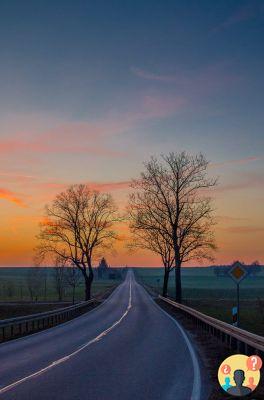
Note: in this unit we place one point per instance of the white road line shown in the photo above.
(196, 390)
(66, 358)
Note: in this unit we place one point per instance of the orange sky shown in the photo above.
(238, 203)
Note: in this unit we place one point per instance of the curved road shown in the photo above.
(125, 349)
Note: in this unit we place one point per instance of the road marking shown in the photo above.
(66, 358)
(196, 390)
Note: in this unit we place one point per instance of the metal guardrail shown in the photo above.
(238, 339)
(15, 327)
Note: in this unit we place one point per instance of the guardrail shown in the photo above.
(15, 327)
(237, 339)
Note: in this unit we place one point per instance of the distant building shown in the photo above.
(105, 272)
(103, 269)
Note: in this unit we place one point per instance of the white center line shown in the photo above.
(66, 358)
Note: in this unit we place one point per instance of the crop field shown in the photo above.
(14, 286)
(215, 296)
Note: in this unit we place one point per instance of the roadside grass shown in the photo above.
(215, 296)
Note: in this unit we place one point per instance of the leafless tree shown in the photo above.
(34, 282)
(171, 198)
(151, 238)
(59, 277)
(73, 278)
(78, 223)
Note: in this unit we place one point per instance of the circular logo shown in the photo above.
(239, 375)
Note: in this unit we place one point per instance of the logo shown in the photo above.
(239, 375)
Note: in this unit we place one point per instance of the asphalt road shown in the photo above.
(125, 349)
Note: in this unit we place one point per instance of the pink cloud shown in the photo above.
(75, 137)
(109, 186)
(245, 160)
(11, 197)
(242, 181)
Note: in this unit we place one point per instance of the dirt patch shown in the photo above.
(212, 352)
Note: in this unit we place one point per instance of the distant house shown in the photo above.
(105, 272)
(103, 269)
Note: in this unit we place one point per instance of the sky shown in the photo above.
(90, 90)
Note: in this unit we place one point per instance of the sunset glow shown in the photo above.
(81, 106)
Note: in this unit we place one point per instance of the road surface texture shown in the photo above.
(125, 349)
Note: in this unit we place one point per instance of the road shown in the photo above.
(125, 349)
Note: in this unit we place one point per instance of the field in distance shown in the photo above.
(215, 296)
(15, 294)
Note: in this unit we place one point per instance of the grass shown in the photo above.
(14, 286)
(215, 296)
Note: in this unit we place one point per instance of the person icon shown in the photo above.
(227, 384)
(251, 383)
(239, 389)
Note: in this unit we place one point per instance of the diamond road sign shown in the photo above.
(237, 272)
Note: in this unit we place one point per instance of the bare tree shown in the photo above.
(73, 278)
(172, 192)
(59, 277)
(34, 282)
(78, 223)
(151, 238)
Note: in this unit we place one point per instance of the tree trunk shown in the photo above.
(88, 279)
(178, 287)
(177, 260)
(165, 282)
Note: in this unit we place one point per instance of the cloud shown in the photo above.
(109, 186)
(249, 11)
(245, 160)
(244, 229)
(152, 76)
(241, 181)
(215, 76)
(227, 218)
(11, 197)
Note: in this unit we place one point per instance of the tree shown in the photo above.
(149, 236)
(34, 282)
(73, 279)
(77, 224)
(59, 277)
(172, 192)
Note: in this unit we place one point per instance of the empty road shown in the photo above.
(126, 349)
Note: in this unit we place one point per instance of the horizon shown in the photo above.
(90, 91)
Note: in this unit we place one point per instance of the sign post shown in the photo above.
(237, 273)
(234, 314)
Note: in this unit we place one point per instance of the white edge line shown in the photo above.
(67, 357)
(196, 391)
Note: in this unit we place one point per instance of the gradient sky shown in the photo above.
(91, 89)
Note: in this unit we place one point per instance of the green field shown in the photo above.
(14, 286)
(215, 296)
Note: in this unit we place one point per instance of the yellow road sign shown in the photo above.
(237, 272)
